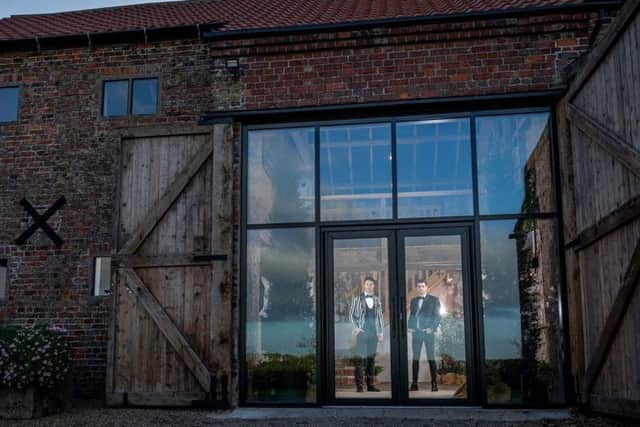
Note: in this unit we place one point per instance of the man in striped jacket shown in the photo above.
(366, 317)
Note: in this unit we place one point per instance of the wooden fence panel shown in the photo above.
(599, 135)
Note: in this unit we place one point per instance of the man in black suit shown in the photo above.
(424, 318)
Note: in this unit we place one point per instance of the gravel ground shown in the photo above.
(95, 417)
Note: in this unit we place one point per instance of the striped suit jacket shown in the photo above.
(357, 311)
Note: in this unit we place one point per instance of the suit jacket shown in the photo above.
(357, 311)
(428, 316)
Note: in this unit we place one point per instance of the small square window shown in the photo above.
(101, 276)
(145, 96)
(136, 96)
(116, 98)
(9, 104)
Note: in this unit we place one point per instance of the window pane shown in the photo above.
(362, 338)
(145, 96)
(115, 99)
(280, 315)
(514, 164)
(523, 338)
(281, 176)
(434, 168)
(9, 104)
(355, 172)
(102, 276)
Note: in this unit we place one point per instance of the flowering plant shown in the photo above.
(36, 356)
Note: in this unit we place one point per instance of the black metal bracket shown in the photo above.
(214, 257)
(211, 400)
(40, 221)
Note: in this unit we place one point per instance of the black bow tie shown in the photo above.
(421, 297)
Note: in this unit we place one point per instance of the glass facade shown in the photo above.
(489, 174)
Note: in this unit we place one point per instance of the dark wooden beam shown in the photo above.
(595, 57)
(615, 405)
(607, 225)
(613, 322)
(617, 147)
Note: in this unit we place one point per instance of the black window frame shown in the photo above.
(130, 82)
(18, 103)
(477, 110)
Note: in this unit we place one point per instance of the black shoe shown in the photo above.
(372, 388)
(359, 389)
(414, 387)
(434, 386)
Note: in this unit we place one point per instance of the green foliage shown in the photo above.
(279, 375)
(37, 356)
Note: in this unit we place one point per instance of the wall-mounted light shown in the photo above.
(233, 66)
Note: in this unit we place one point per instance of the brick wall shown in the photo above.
(62, 147)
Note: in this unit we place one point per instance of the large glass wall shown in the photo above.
(490, 171)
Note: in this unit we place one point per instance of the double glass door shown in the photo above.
(399, 318)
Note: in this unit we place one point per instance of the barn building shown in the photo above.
(245, 202)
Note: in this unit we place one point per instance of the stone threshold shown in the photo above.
(410, 413)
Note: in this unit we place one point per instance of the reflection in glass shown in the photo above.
(355, 172)
(514, 170)
(9, 104)
(281, 175)
(280, 313)
(145, 96)
(361, 312)
(435, 313)
(523, 340)
(115, 98)
(434, 168)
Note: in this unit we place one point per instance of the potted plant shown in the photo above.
(34, 372)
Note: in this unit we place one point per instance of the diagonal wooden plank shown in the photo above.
(613, 322)
(607, 225)
(160, 208)
(169, 329)
(617, 147)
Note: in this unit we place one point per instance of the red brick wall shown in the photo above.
(62, 147)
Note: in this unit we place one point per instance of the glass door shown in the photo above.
(398, 318)
(435, 295)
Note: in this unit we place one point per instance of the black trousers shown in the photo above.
(365, 354)
(420, 339)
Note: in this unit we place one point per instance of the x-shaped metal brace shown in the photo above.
(40, 221)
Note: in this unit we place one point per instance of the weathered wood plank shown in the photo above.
(220, 328)
(614, 320)
(625, 16)
(164, 399)
(169, 329)
(160, 208)
(610, 223)
(617, 147)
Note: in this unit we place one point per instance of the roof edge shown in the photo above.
(588, 5)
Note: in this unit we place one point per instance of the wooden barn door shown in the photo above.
(164, 281)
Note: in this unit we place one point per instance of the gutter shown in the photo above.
(587, 6)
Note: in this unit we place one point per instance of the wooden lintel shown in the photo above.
(163, 131)
(164, 261)
(607, 225)
(595, 57)
(617, 147)
(169, 329)
(160, 208)
(614, 320)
